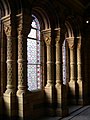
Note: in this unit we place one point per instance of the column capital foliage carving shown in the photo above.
(24, 23)
(79, 42)
(70, 41)
(9, 25)
(47, 36)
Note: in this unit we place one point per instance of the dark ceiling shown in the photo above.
(85, 2)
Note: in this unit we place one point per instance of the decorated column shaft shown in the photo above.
(79, 73)
(72, 58)
(49, 88)
(72, 83)
(58, 58)
(23, 31)
(9, 95)
(23, 21)
(79, 59)
(61, 92)
(9, 28)
(47, 38)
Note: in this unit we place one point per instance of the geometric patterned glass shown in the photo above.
(64, 61)
(34, 64)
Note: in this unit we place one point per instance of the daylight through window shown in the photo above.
(34, 57)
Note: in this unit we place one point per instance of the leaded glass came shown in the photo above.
(34, 65)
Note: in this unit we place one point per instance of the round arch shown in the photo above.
(5, 7)
(48, 15)
(73, 27)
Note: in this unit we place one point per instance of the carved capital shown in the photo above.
(79, 42)
(7, 30)
(24, 24)
(47, 36)
(48, 40)
(70, 41)
(9, 25)
(57, 35)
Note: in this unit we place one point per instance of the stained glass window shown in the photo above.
(64, 61)
(34, 65)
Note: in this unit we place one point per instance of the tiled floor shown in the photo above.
(76, 113)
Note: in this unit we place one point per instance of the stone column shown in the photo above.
(58, 58)
(79, 72)
(9, 95)
(60, 88)
(11, 54)
(49, 88)
(23, 21)
(72, 83)
(23, 31)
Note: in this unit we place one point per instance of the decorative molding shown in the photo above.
(9, 25)
(7, 30)
(24, 24)
(79, 42)
(57, 35)
(47, 36)
(70, 41)
(48, 40)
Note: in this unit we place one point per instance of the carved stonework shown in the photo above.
(23, 31)
(24, 24)
(79, 42)
(9, 74)
(47, 40)
(9, 25)
(10, 34)
(21, 76)
(7, 30)
(70, 42)
(57, 35)
(47, 36)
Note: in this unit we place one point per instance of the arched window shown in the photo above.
(34, 57)
(64, 61)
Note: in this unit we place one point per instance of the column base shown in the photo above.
(72, 92)
(23, 107)
(10, 105)
(62, 109)
(80, 92)
(22, 90)
(50, 102)
(10, 90)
